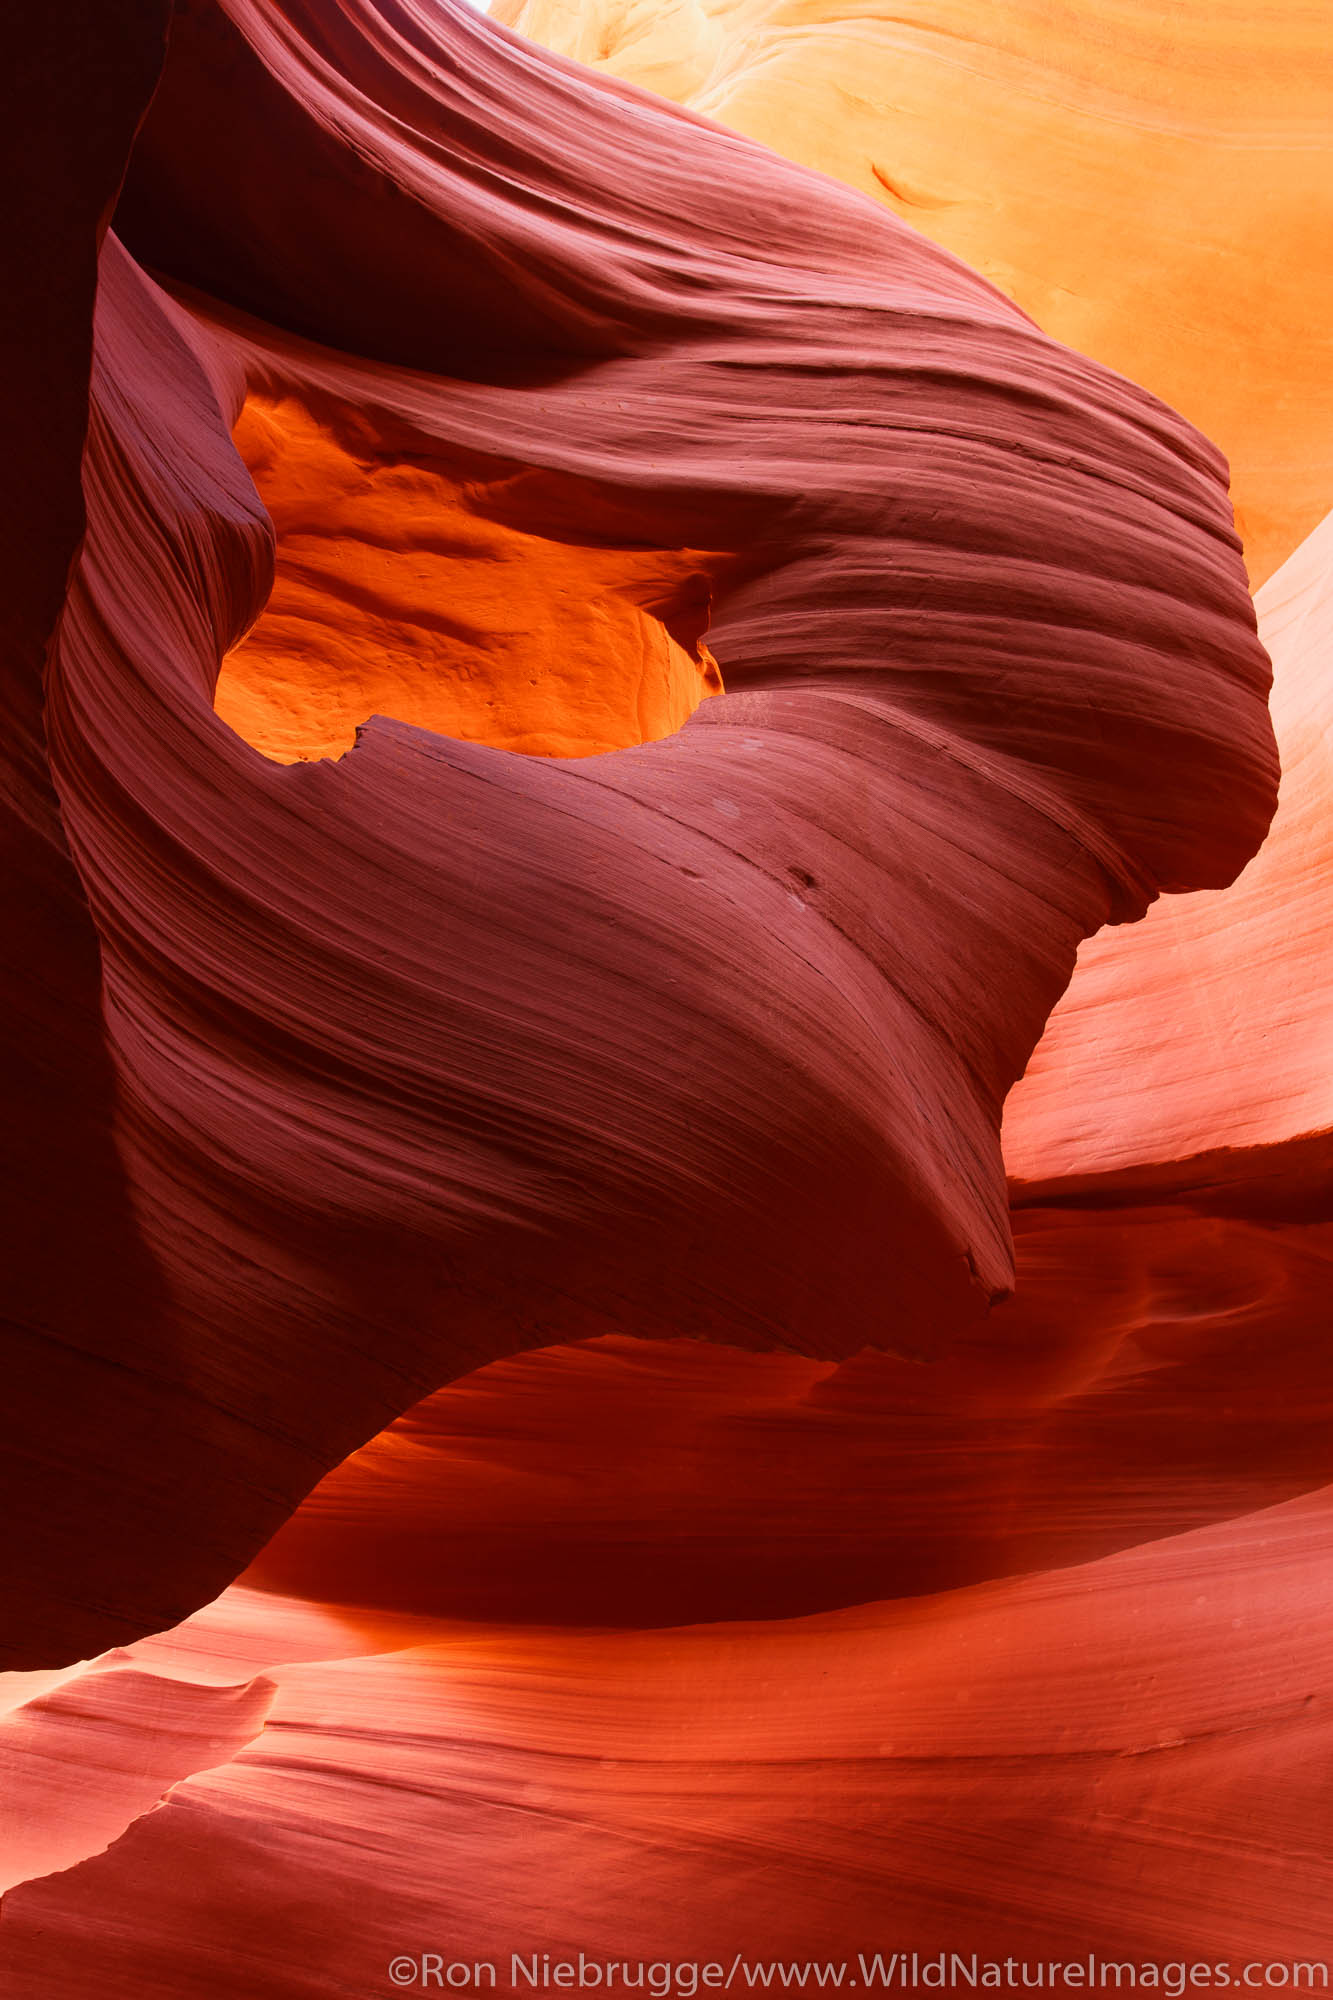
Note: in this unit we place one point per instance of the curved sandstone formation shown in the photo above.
(431, 1052)
(1158, 1369)
(604, 684)
(1125, 1759)
(1151, 183)
(1215, 1008)
(80, 1763)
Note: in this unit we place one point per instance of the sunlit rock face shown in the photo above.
(445, 590)
(1151, 182)
(578, 693)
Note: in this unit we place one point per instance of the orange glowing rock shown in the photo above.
(444, 593)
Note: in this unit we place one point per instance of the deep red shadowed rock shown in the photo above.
(77, 1288)
(1156, 1370)
(437, 1052)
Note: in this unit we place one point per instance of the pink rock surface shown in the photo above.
(1127, 1759)
(78, 1764)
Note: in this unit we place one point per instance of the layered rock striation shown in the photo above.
(431, 1051)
